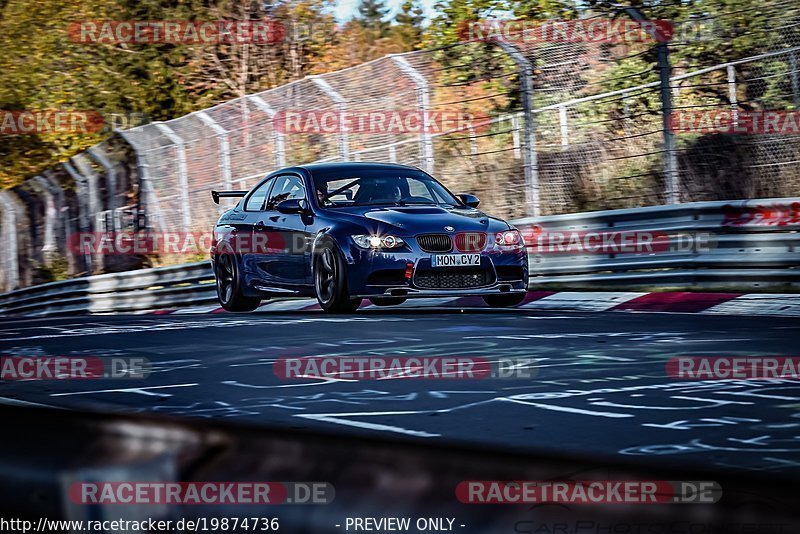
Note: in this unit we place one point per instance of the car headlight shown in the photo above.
(510, 238)
(375, 241)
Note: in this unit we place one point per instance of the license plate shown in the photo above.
(456, 260)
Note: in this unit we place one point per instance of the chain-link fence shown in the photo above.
(558, 126)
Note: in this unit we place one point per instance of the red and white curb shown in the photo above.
(773, 304)
(760, 304)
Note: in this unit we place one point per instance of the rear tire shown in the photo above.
(229, 285)
(330, 282)
(387, 301)
(504, 301)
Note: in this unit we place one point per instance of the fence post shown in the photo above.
(224, 146)
(562, 121)
(671, 164)
(732, 95)
(50, 217)
(85, 169)
(84, 224)
(423, 102)
(60, 209)
(81, 197)
(96, 209)
(183, 177)
(794, 77)
(529, 157)
(280, 147)
(344, 142)
(8, 231)
(626, 114)
(111, 179)
(664, 73)
(65, 215)
(146, 192)
(515, 135)
(473, 140)
(245, 121)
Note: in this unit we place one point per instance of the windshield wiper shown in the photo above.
(400, 203)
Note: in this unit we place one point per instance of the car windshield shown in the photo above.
(375, 187)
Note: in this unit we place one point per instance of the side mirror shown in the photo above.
(292, 205)
(469, 200)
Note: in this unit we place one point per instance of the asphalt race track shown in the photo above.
(600, 387)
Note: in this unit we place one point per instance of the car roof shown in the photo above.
(353, 166)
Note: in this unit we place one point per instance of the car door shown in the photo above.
(252, 212)
(282, 263)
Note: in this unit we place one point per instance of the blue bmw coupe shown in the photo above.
(344, 232)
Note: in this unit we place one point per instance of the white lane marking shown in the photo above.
(18, 402)
(195, 309)
(211, 321)
(780, 304)
(582, 300)
(423, 302)
(545, 317)
(322, 382)
(287, 305)
(138, 391)
(337, 419)
(567, 409)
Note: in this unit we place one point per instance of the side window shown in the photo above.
(286, 187)
(256, 200)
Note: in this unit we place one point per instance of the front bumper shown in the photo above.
(502, 288)
(364, 267)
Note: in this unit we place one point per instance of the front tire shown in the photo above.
(504, 300)
(229, 285)
(330, 282)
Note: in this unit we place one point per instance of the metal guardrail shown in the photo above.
(132, 291)
(753, 244)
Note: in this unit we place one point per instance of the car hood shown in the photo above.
(413, 220)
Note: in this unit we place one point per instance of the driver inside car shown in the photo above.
(381, 192)
(322, 192)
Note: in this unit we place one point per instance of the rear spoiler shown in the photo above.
(216, 195)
